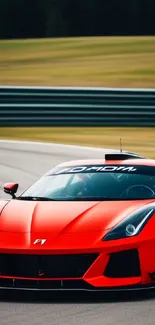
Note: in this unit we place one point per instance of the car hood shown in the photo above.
(64, 217)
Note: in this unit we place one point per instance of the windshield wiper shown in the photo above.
(34, 198)
(86, 198)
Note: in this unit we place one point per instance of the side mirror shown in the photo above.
(11, 188)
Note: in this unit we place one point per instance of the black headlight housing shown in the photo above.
(132, 225)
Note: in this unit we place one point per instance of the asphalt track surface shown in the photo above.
(24, 163)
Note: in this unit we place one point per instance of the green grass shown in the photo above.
(96, 61)
(139, 140)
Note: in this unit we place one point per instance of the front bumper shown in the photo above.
(60, 271)
(123, 265)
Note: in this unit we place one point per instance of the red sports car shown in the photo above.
(85, 225)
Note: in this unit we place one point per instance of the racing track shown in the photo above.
(23, 163)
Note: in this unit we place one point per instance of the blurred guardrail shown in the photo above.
(39, 106)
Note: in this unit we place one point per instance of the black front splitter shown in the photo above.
(85, 287)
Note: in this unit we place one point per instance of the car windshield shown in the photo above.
(101, 182)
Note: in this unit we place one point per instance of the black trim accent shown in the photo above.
(124, 264)
(46, 266)
(122, 156)
(67, 285)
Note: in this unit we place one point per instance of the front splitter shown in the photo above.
(80, 286)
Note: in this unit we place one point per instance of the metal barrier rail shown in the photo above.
(40, 106)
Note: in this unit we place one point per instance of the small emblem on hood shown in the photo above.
(39, 241)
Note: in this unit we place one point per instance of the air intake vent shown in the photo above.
(46, 266)
(124, 264)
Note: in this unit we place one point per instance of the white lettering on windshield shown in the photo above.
(62, 171)
(129, 169)
(94, 168)
(81, 169)
(78, 169)
(115, 168)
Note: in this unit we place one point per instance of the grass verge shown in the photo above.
(93, 61)
(139, 140)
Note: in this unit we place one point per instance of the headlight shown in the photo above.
(132, 225)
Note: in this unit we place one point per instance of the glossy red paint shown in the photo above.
(77, 228)
(11, 186)
(64, 217)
